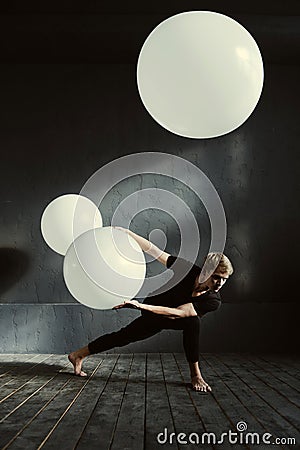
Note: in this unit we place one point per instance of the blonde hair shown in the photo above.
(214, 261)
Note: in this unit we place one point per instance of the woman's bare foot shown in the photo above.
(77, 360)
(200, 385)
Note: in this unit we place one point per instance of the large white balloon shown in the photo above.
(103, 267)
(200, 74)
(59, 225)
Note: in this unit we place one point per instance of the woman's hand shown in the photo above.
(134, 304)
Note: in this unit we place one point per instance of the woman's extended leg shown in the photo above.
(141, 328)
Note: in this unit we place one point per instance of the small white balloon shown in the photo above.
(60, 226)
(103, 267)
(200, 74)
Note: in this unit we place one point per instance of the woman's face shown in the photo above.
(216, 280)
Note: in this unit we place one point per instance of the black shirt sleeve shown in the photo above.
(211, 301)
(177, 264)
(181, 292)
(170, 261)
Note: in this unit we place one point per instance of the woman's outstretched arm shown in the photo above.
(186, 310)
(147, 246)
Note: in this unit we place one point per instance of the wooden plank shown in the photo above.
(9, 362)
(14, 406)
(22, 417)
(185, 413)
(23, 361)
(16, 373)
(228, 398)
(275, 373)
(127, 407)
(129, 431)
(21, 378)
(80, 410)
(262, 399)
(214, 418)
(17, 397)
(237, 400)
(258, 412)
(37, 426)
(100, 428)
(280, 364)
(11, 359)
(277, 394)
(158, 413)
(287, 360)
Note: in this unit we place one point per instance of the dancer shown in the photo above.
(178, 308)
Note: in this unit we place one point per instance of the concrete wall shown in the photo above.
(249, 327)
(62, 122)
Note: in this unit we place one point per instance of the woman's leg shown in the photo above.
(141, 328)
(191, 333)
(137, 330)
(191, 340)
(191, 344)
(76, 358)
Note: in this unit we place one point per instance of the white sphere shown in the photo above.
(200, 74)
(103, 267)
(66, 218)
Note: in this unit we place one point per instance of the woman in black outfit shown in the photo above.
(178, 308)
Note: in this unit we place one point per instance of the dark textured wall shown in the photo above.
(61, 122)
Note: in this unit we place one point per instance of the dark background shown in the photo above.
(69, 105)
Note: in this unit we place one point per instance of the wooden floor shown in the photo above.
(129, 399)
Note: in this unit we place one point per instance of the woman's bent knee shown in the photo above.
(193, 322)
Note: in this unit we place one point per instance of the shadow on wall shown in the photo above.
(13, 265)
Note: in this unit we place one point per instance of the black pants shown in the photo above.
(145, 326)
